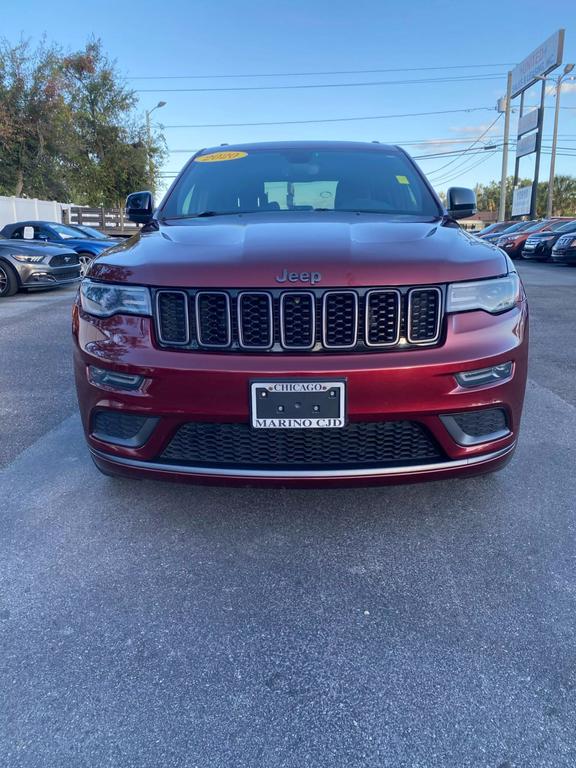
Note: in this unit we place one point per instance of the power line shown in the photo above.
(331, 119)
(471, 145)
(369, 83)
(449, 178)
(309, 74)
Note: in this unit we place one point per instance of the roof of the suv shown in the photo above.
(365, 145)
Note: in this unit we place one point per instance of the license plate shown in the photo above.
(292, 404)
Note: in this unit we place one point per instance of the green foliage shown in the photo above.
(68, 128)
(488, 195)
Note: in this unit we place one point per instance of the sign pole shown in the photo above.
(534, 201)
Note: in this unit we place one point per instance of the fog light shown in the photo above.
(481, 376)
(114, 380)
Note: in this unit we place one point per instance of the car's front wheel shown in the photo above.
(85, 260)
(8, 281)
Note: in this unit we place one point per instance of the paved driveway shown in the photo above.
(153, 625)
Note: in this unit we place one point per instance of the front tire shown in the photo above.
(85, 260)
(8, 281)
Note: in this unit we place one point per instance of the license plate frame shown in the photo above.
(298, 403)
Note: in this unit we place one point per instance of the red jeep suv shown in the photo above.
(301, 313)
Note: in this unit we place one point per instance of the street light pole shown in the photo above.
(550, 202)
(149, 141)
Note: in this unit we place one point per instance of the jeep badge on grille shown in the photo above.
(299, 277)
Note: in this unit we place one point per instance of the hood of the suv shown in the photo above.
(283, 249)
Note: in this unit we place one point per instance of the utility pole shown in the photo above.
(149, 142)
(502, 210)
(550, 202)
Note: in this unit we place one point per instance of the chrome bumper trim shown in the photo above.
(303, 474)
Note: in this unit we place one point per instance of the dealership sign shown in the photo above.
(521, 201)
(528, 122)
(526, 145)
(542, 60)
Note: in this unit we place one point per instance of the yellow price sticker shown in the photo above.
(220, 157)
(402, 180)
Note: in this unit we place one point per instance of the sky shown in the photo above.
(458, 54)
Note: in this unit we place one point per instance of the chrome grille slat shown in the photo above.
(213, 319)
(339, 319)
(298, 320)
(382, 322)
(172, 317)
(424, 315)
(255, 322)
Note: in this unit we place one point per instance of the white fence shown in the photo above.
(21, 209)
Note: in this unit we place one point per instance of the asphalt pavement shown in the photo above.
(153, 625)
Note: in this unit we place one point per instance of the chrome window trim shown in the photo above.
(324, 325)
(228, 319)
(186, 313)
(239, 316)
(398, 317)
(438, 318)
(313, 298)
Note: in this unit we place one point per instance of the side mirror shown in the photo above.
(461, 202)
(140, 207)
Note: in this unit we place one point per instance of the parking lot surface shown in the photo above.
(157, 625)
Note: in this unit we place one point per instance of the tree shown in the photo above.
(68, 129)
(33, 121)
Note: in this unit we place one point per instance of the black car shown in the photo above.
(33, 266)
(538, 247)
(564, 249)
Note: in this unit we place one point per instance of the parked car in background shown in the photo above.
(87, 247)
(92, 233)
(538, 247)
(519, 226)
(493, 229)
(513, 243)
(32, 266)
(564, 249)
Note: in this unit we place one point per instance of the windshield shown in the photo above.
(93, 234)
(291, 179)
(519, 227)
(547, 226)
(64, 232)
(496, 227)
(569, 227)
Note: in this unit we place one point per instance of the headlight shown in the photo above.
(28, 258)
(496, 295)
(106, 299)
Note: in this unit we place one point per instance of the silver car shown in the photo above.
(35, 266)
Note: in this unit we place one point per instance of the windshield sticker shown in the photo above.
(219, 157)
(402, 180)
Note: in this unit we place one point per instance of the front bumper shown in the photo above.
(42, 276)
(513, 249)
(567, 256)
(539, 252)
(415, 385)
